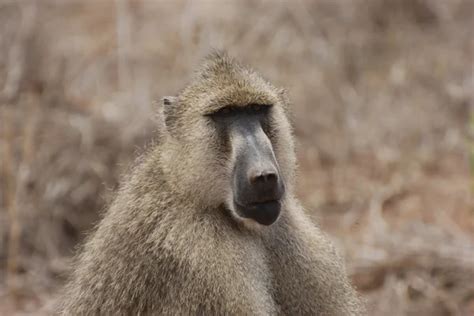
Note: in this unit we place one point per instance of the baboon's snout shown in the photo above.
(263, 183)
(257, 185)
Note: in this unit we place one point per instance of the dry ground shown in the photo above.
(382, 97)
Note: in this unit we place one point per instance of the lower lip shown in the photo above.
(265, 213)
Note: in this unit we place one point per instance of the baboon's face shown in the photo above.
(230, 143)
(257, 186)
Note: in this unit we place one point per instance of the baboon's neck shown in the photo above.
(152, 179)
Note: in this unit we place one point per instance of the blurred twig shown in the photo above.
(471, 150)
(17, 55)
(123, 43)
(9, 189)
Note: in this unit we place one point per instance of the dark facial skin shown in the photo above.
(257, 186)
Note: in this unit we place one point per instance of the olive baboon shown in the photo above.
(208, 223)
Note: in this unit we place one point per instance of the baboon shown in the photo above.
(208, 222)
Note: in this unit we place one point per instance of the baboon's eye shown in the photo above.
(223, 112)
(229, 111)
(258, 108)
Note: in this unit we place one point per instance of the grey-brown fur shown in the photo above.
(167, 245)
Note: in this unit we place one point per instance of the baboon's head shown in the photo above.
(229, 142)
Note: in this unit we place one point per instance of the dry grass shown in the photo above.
(382, 93)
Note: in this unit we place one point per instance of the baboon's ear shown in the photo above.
(284, 98)
(169, 110)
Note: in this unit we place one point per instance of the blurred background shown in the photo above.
(382, 94)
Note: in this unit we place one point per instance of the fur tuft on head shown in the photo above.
(222, 81)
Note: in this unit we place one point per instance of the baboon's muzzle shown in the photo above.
(257, 184)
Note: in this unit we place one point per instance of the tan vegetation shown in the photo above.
(382, 95)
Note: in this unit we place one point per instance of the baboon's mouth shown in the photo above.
(264, 213)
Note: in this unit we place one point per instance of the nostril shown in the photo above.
(263, 177)
(268, 177)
